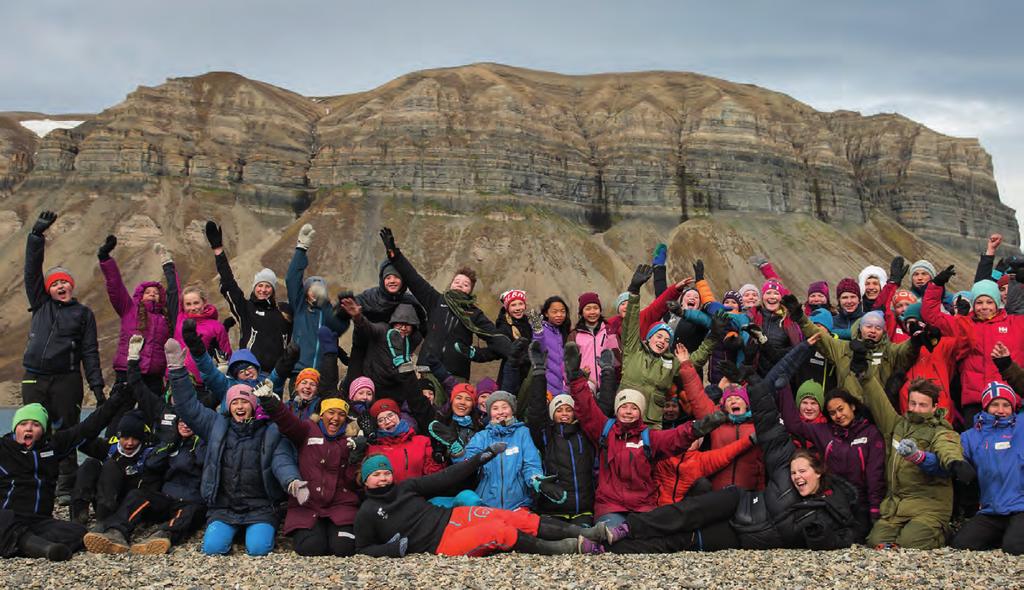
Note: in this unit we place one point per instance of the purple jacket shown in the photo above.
(154, 327)
(856, 453)
(552, 342)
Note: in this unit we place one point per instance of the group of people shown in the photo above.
(881, 414)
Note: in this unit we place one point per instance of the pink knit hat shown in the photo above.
(244, 392)
(359, 383)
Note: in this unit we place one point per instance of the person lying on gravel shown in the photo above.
(29, 459)
(247, 468)
(396, 519)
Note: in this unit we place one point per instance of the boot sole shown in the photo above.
(152, 547)
(97, 543)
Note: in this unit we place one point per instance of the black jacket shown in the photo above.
(263, 329)
(181, 464)
(513, 370)
(61, 335)
(444, 328)
(403, 509)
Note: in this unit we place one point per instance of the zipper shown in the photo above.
(575, 482)
(39, 483)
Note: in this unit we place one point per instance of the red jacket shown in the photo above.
(676, 475)
(625, 477)
(977, 368)
(939, 366)
(323, 463)
(747, 470)
(410, 454)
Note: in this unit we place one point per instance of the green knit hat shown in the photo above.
(811, 388)
(375, 463)
(31, 412)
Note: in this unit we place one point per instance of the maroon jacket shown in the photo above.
(323, 463)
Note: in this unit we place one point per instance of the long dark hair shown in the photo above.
(564, 328)
(844, 395)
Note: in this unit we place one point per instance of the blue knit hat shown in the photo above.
(375, 463)
(823, 317)
(989, 289)
(913, 311)
(657, 328)
(873, 318)
(622, 298)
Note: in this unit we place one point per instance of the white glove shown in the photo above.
(306, 237)
(265, 389)
(299, 490)
(174, 353)
(135, 346)
(163, 253)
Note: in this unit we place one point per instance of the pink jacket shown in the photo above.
(154, 327)
(592, 344)
(209, 328)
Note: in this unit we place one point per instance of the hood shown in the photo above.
(405, 314)
(872, 271)
(380, 281)
(984, 420)
(502, 430)
(161, 298)
(243, 355)
(207, 313)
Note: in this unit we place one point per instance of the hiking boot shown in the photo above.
(64, 500)
(80, 513)
(588, 547)
(110, 542)
(158, 543)
(618, 533)
(599, 532)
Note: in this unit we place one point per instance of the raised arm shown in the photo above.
(931, 305)
(118, 294)
(35, 247)
(427, 295)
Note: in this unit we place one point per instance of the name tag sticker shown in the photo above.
(895, 444)
(635, 445)
(170, 416)
(666, 363)
(860, 441)
(512, 451)
(315, 441)
(167, 422)
(1002, 446)
(46, 454)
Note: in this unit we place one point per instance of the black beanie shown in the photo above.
(131, 425)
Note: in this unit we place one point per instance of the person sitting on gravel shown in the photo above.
(455, 426)
(397, 519)
(248, 464)
(29, 459)
(397, 438)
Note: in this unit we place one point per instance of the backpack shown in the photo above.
(645, 437)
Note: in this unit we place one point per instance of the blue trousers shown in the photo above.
(259, 538)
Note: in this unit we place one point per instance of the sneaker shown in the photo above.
(158, 543)
(588, 547)
(618, 533)
(110, 542)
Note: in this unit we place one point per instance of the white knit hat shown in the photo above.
(631, 396)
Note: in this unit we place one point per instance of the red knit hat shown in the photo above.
(512, 295)
(996, 390)
(464, 388)
(384, 405)
(1003, 281)
(58, 274)
(847, 285)
(588, 298)
(903, 296)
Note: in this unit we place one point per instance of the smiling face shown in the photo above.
(500, 411)
(621, 310)
(151, 294)
(379, 479)
(403, 328)
(849, 302)
(659, 341)
(900, 307)
(556, 314)
(129, 444)
(461, 282)
(387, 420)
(462, 404)
(735, 405)
(61, 291)
(809, 409)
(183, 430)
(564, 414)
(984, 307)
(591, 313)
(627, 413)
(731, 304)
(805, 479)
(871, 332)
(393, 284)
(248, 373)
(516, 309)
(333, 420)
(263, 290)
(817, 299)
(841, 412)
(306, 389)
(481, 401)
(363, 394)
(671, 410)
(872, 287)
(28, 432)
(771, 300)
(240, 409)
(920, 278)
(750, 299)
(193, 303)
(690, 300)
(1000, 408)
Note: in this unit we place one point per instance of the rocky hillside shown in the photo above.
(553, 183)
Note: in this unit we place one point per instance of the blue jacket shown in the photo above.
(181, 463)
(307, 319)
(277, 455)
(505, 480)
(218, 383)
(995, 448)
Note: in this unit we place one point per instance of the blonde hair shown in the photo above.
(194, 288)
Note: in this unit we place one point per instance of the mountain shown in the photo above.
(554, 183)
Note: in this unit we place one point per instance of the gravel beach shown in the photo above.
(858, 568)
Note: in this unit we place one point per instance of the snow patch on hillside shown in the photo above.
(43, 126)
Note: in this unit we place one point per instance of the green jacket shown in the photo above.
(649, 373)
(890, 358)
(911, 491)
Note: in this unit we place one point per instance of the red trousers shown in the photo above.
(476, 531)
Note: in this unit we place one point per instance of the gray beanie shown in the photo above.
(924, 265)
(265, 276)
(500, 396)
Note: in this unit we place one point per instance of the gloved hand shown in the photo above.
(758, 260)
(43, 223)
(963, 306)
(1002, 266)
(465, 349)
(536, 321)
(101, 398)
(299, 490)
(720, 324)
(228, 323)
(519, 348)
(1016, 268)
(492, 451)
(660, 255)
(357, 446)
(607, 360)
(730, 371)
(401, 542)
(641, 275)
(305, 240)
(538, 357)
(927, 337)
(164, 254)
(572, 360)
(963, 471)
(135, 346)
(174, 354)
(286, 363)
(448, 436)
(793, 307)
(264, 390)
(859, 360)
(552, 491)
(674, 308)
(698, 270)
(944, 275)
(388, 238)
(704, 426)
(1001, 356)
(907, 448)
(108, 246)
(214, 235)
(898, 269)
(192, 339)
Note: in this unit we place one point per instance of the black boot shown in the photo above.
(529, 544)
(555, 529)
(36, 546)
(80, 512)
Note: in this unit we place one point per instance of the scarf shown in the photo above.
(740, 418)
(462, 305)
(399, 430)
(463, 421)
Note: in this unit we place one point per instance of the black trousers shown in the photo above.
(98, 483)
(990, 531)
(61, 395)
(325, 538)
(699, 523)
(179, 518)
(155, 383)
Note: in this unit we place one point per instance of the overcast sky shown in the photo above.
(951, 65)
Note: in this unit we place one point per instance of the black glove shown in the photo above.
(859, 362)
(572, 361)
(607, 360)
(641, 275)
(720, 324)
(1002, 362)
(108, 246)
(193, 341)
(674, 308)
(357, 449)
(229, 322)
(943, 277)
(101, 399)
(897, 270)
(698, 270)
(1016, 268)
(753, 345)
(963, 306)
(1003, 265)
(286, 364)
(46, 219)
(389, 241)
(538, 357)
(963, 471)
(214, 235)
(793, 307)
(492, 451)
(519, 348)
(730, 371)
(704, 426)
(928, 337)
(552, 491)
